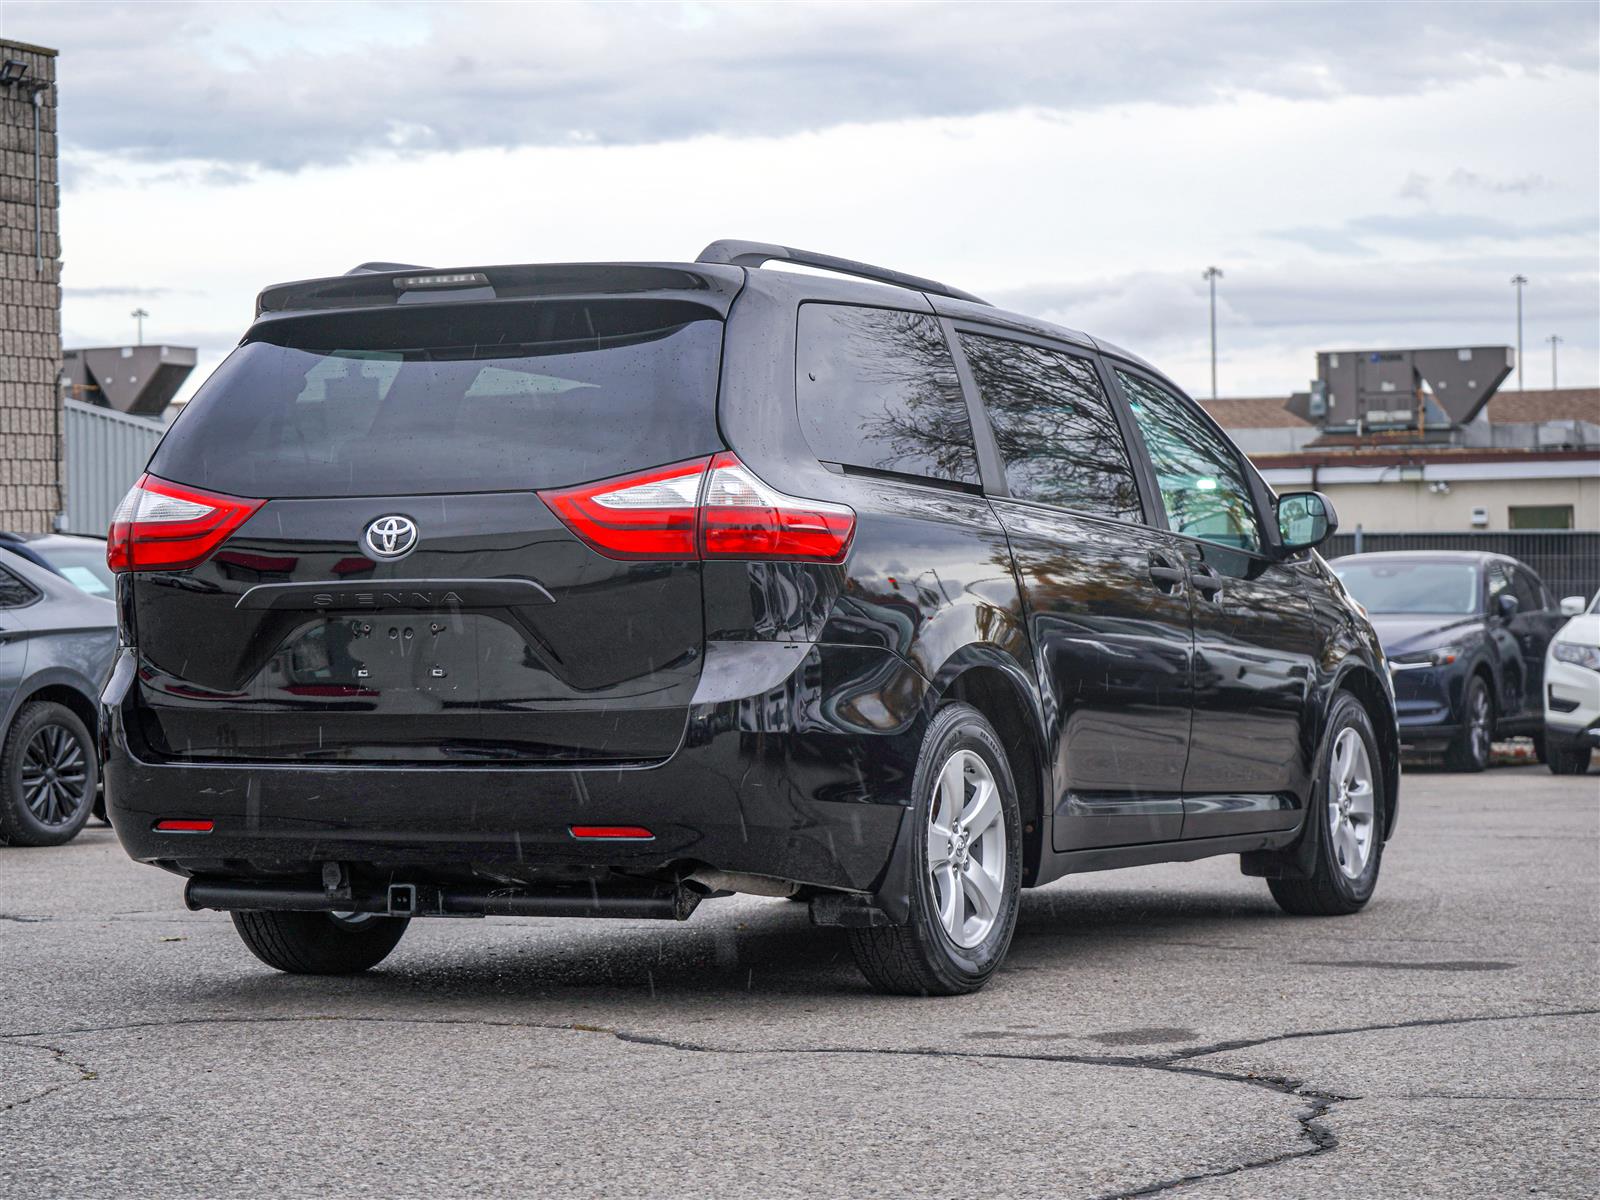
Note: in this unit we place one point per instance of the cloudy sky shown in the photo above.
(1366, 175)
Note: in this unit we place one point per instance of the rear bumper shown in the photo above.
(796, 763)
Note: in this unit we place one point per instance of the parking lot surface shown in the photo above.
(1159, 1029)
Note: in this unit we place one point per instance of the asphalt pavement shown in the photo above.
(1164, 1029)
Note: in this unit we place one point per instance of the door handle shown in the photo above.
(1166, 574)
(1205, 580)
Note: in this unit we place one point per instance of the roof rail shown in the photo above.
(753, 254)
(380, 268)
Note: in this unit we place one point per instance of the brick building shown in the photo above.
(30, 291)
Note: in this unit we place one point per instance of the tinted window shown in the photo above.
(1055, 428)
(1499, 582)
(1411, 587)
(453, 398)
(1203, 485)
(1526, 589)
(15, 592)
(877, 388)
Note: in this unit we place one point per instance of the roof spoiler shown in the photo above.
(754, 254)
(380, 268)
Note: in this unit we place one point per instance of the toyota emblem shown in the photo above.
(393, 536)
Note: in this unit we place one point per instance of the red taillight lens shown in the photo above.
(648, 515)
(741, 517)
(161, 526)
(705, 508)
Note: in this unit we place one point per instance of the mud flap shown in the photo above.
(1295, 861)
(888, 904)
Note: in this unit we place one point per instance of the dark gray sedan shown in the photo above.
(56, 643)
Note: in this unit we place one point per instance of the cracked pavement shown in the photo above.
(1159, 1030)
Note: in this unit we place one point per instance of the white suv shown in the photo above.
(1572, 691)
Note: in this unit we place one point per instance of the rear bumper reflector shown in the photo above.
(631, 832)
(175, 826)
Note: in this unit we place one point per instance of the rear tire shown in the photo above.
(1346, 816)
(1566, 759)
(48, 776)
(302, 943)
(966, 873)
(1470, 750)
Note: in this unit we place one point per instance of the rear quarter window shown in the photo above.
(15, 591)
(877, 389)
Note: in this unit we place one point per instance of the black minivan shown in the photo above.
(599, 590)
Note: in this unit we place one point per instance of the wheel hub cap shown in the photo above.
(966, 849)
(55, 776)
(1351, 804)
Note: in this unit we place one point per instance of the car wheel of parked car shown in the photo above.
(311, 943)
(1470, 749)
(48, 776)
(1346, 821)
(1568, 760)
(966, 867)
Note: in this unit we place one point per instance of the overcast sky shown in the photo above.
(1366, 175)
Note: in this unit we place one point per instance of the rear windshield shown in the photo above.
(1412, 587)
(452, 398)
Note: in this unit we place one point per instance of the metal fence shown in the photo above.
(1567, 560)
(105, 451)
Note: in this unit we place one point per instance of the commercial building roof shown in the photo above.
(1533, 406)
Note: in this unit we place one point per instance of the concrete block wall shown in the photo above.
(30, 302)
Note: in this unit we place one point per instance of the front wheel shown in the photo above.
(1470, 749)
(1345, 820)
(1567, 758)
(313, 943)
(966, 854)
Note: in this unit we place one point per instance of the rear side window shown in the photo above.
(453, 398)
(1057, 434)
(877, 389)
(15, 592)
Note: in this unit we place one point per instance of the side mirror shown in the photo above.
(1305, 520)
(1572, 606)
(1505, 606)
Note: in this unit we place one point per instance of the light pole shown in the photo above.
(1517, 281)
(139, 315)
(1555, 339)
(1212, 274)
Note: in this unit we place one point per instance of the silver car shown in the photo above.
(56, 643)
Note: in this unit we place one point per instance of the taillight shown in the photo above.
(705, 508)
(648, 515)
(741, 517)
(161, 526)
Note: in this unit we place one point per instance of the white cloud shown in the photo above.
(1101, 214)
(286, 85)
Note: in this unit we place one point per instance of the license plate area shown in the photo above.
(378, 653)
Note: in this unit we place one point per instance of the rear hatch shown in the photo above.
(402, 594)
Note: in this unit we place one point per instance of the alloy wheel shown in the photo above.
(1351, 807)
(55, 776)
(967, 848)
(1478, 720)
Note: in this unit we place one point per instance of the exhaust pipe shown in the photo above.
(666, 903)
